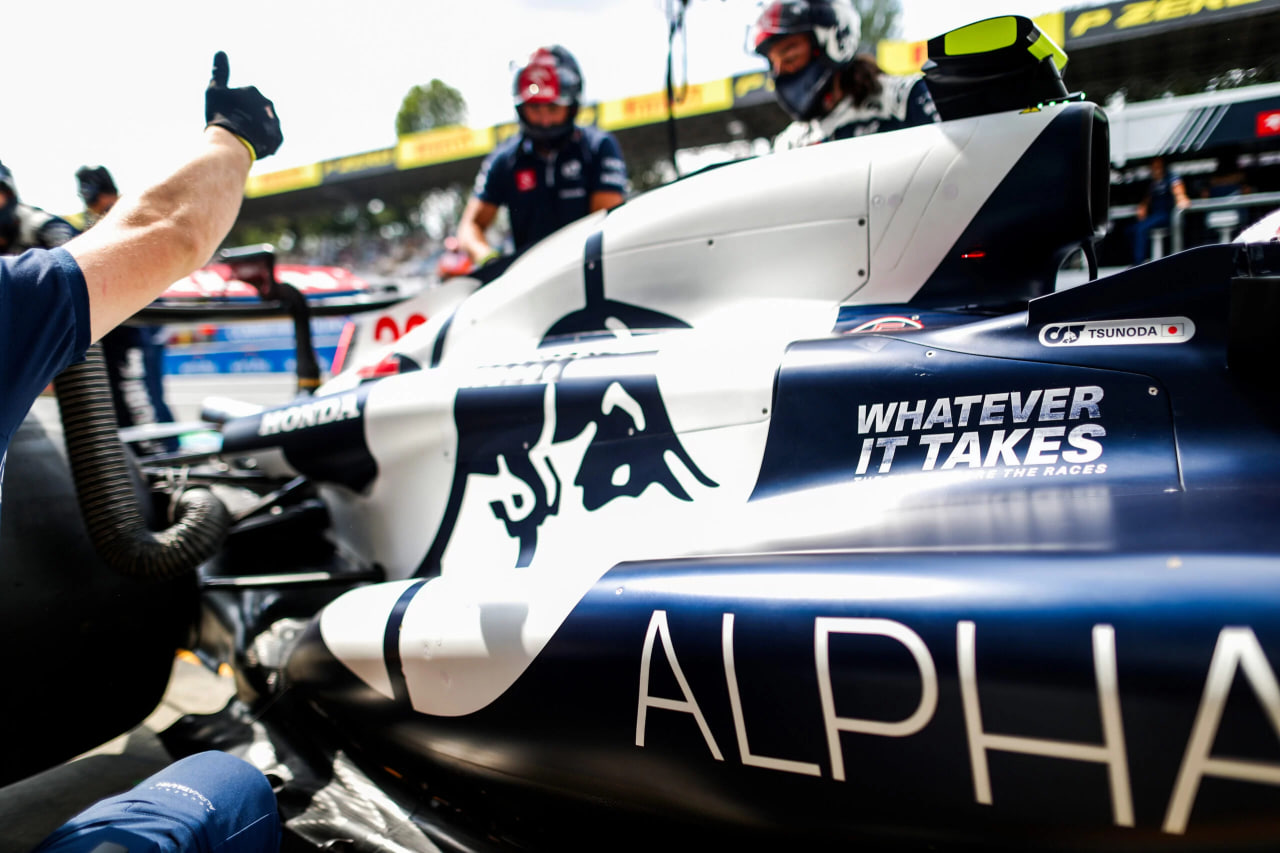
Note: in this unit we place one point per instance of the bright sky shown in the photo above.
(120, 84)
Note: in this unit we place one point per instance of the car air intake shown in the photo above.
(993, 66)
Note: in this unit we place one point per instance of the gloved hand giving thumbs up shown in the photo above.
(244, 111)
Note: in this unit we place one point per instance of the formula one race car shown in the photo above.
(790, 503)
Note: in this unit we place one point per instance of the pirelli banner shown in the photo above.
(359, 165)
(693, 99)
(1095, 25)
(752, 89)
(442, 145)
(449, 144)
(1125, 20)
(283, 181)
(325, 172)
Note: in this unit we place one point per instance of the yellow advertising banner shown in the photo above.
(368, 161)
(907, 57)
(286, 180)
(901, 57)
(442, 145)
(1115, 19)
(652, 108)
(503, 132)
(745, 84)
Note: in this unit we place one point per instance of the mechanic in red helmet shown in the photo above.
(552, 172)
(820, 79)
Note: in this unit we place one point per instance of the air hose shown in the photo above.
(108, 499)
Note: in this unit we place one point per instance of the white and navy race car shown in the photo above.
(789, 503)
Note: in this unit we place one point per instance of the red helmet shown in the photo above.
(834, 28)
(551, 76)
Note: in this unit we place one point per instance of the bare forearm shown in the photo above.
(473, 242)
(151, 240)
(201, 199)
(476, 219)
(1180, 195)
(604, 200)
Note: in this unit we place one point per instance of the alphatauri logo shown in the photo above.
(1102, 333)
(326, 410)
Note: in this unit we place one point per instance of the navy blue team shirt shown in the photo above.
(543, 194)
(44, 326)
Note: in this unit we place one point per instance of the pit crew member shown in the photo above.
(134, 354)
(552, 172)
(820, 79)
(23, 226)
(97, 189)
(55, 302)
(1165, 192)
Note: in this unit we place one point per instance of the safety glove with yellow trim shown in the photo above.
(243, 111)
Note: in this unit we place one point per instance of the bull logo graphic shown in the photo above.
(509, 434)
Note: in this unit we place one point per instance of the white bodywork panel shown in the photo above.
(749, 257)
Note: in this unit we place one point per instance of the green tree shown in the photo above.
(879, 19)
(436, 104)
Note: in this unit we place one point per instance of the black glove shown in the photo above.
(243, 111)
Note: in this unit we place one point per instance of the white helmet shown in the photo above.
(833, 27)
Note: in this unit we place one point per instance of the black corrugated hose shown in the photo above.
(108, 500)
